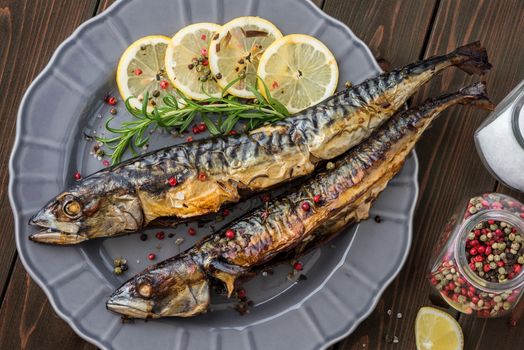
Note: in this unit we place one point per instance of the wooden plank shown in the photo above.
(394, 30)
(30, 32)
(450, 170)
(387, 27)
(27, 321)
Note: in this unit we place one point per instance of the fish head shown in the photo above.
(174, 287)
(88, 210)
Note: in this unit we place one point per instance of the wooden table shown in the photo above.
(399, 31)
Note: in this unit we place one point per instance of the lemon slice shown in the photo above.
(141, 69)
(236, 49)
(299, 71)
(437, 330)
(187, 62)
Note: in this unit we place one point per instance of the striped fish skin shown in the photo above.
(220, 170)
(346, 193)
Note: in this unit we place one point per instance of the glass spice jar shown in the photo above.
(478, 263)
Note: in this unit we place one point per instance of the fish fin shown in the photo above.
(475, 58)
(226, 273)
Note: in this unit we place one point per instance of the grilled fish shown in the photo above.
(179, 286)
(193, 179)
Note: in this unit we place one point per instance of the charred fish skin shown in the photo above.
(213, 172)
(346, 193)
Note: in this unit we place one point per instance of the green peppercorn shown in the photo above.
(496, 257)
(493, 227)
(203, 78)
(520, 260)
(501, 271)
(490, 257)
(497, 299)
(506, 306)
(480, 303)
(331, 166)
(489, 235)
(471, 236)
(439, 277)
(492, 265)
(483, 238)
(511, 236)
(117, 270)
(449, 277)
(472, 210)
(461, 299)
(117, 262)
(507, 231)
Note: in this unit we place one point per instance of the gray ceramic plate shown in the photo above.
(344, 278)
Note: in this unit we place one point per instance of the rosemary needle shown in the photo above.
(179, 112)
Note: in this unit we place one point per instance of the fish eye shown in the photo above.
(72, 207)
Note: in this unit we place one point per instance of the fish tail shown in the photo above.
(473, 58)
(474, 94)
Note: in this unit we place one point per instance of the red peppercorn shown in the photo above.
(203, 52)
(189, 139)
(164, 84)
(151, 256)
(522, 215)
(451, 286)
(517, 268)
(274, 85)
(203, 37)
(202, 127)
(112, 100)
(195, 130)
(233, 132)
(230, 234)
(305, 206)
(455, 297)
(500, 263)
(225, 212)
(266, 197)
(477, 233)
(475, 300)
(472, 266)
(241, 293)
(77, 176)
(486, 268)
(105, 162)
(470, 294)
(512, 322)
(479, 258)
(498, 232)
(202, 176)
(463, 291)
(475, 243)
(316, 198)
(491, 222)
(172, 181)
(433, 280)
(473, 251)
(205, 63)
(298, 266)
(160, 235)
(487, 250)
(191, 231)
(138, 71)
(481, 249)
(496, 205)
(485, 203)
(460, 281)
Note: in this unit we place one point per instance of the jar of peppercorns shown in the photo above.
(478, 263)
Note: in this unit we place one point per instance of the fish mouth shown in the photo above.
(52, 236)
(129, 308)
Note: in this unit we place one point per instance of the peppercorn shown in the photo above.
(143, 237)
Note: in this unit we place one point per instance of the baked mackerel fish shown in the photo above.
(197, 178)
(180, 285)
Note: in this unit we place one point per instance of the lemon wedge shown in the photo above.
(437, 330)
(299, 71)
(187, 62)
(235, 51)
(141, 69)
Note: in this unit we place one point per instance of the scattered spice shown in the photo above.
(172, 181)
(105, 162)
(226, 212)
(191, 231)
(266, 197)
(113, 111)
(189, 139)
(143, 237)
(202, 176)
(317, 198)
(160, 235)
(230, 234)
(378, 219)
(298, 266)
(151, 256)
(119, 266)
(305, 206)
(138, 71)
(164, 85)
(203, 37)
(112, 101)
(77, 176)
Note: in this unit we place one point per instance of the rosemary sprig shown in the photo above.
(179, 112)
